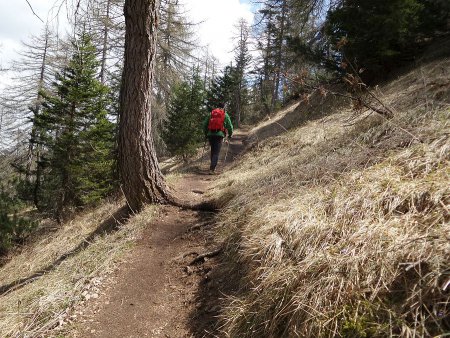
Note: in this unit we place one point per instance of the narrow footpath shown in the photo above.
(165, 288)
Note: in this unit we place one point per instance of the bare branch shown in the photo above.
(34, 11)
(386, 113)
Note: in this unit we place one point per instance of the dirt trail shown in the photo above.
(157, 293)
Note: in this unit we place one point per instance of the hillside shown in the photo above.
(332, 223)
(339, 226)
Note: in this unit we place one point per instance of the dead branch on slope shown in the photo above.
(358, 101)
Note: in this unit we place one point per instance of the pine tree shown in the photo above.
(186, 112)
(267, 44)
(286, 32)
(374, 35)
(216, 97)
(242, 59)
(76, 135)
(12, 227)
(222, 87)
(174, 56)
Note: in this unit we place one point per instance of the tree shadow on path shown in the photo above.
(108, 226)
(219, 281)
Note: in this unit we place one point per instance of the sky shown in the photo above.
(17, 23)
(217, 19)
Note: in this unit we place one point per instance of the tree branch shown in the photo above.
(387, 113)
(34, 11)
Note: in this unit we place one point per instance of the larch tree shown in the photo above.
(286, 32)
(141, 179)
(175, 44)
(104, 22)
(31, 75)
(242, 58)
(264, 63)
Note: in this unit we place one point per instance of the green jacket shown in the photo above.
(227, 124)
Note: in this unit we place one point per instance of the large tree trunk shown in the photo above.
(142, 181)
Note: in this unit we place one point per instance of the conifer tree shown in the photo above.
(186, 111)
(266, 44)
(242, 59)
(378, 36)
(285, 33)
(221, 90)
(176, 42)
(22, 102)
(76, 134)
(12, 227)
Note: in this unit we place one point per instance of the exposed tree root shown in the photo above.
(198, 226)
(206, 255)
(184, 255)
(202, 206)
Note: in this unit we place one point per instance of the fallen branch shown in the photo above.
(206, 255)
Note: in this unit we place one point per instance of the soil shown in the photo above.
(158, 292)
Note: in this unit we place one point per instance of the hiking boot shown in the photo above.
(212, 172)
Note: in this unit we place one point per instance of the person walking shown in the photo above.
(215, 128)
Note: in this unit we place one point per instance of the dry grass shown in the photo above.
(41, 308)
(342, 225)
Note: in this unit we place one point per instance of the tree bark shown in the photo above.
(106, 23)
(279, 59)
(34, 131)
(141, 178)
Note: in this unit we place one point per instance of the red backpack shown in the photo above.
(216, 121)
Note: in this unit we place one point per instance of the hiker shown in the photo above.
(216, 127)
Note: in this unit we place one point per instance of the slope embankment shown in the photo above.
(339, 226)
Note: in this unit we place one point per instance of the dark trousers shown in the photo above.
(216, 144)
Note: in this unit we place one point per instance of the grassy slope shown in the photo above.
(340, 227)
(41, 308)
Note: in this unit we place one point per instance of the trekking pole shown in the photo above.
(226, 152)
(203, 153)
